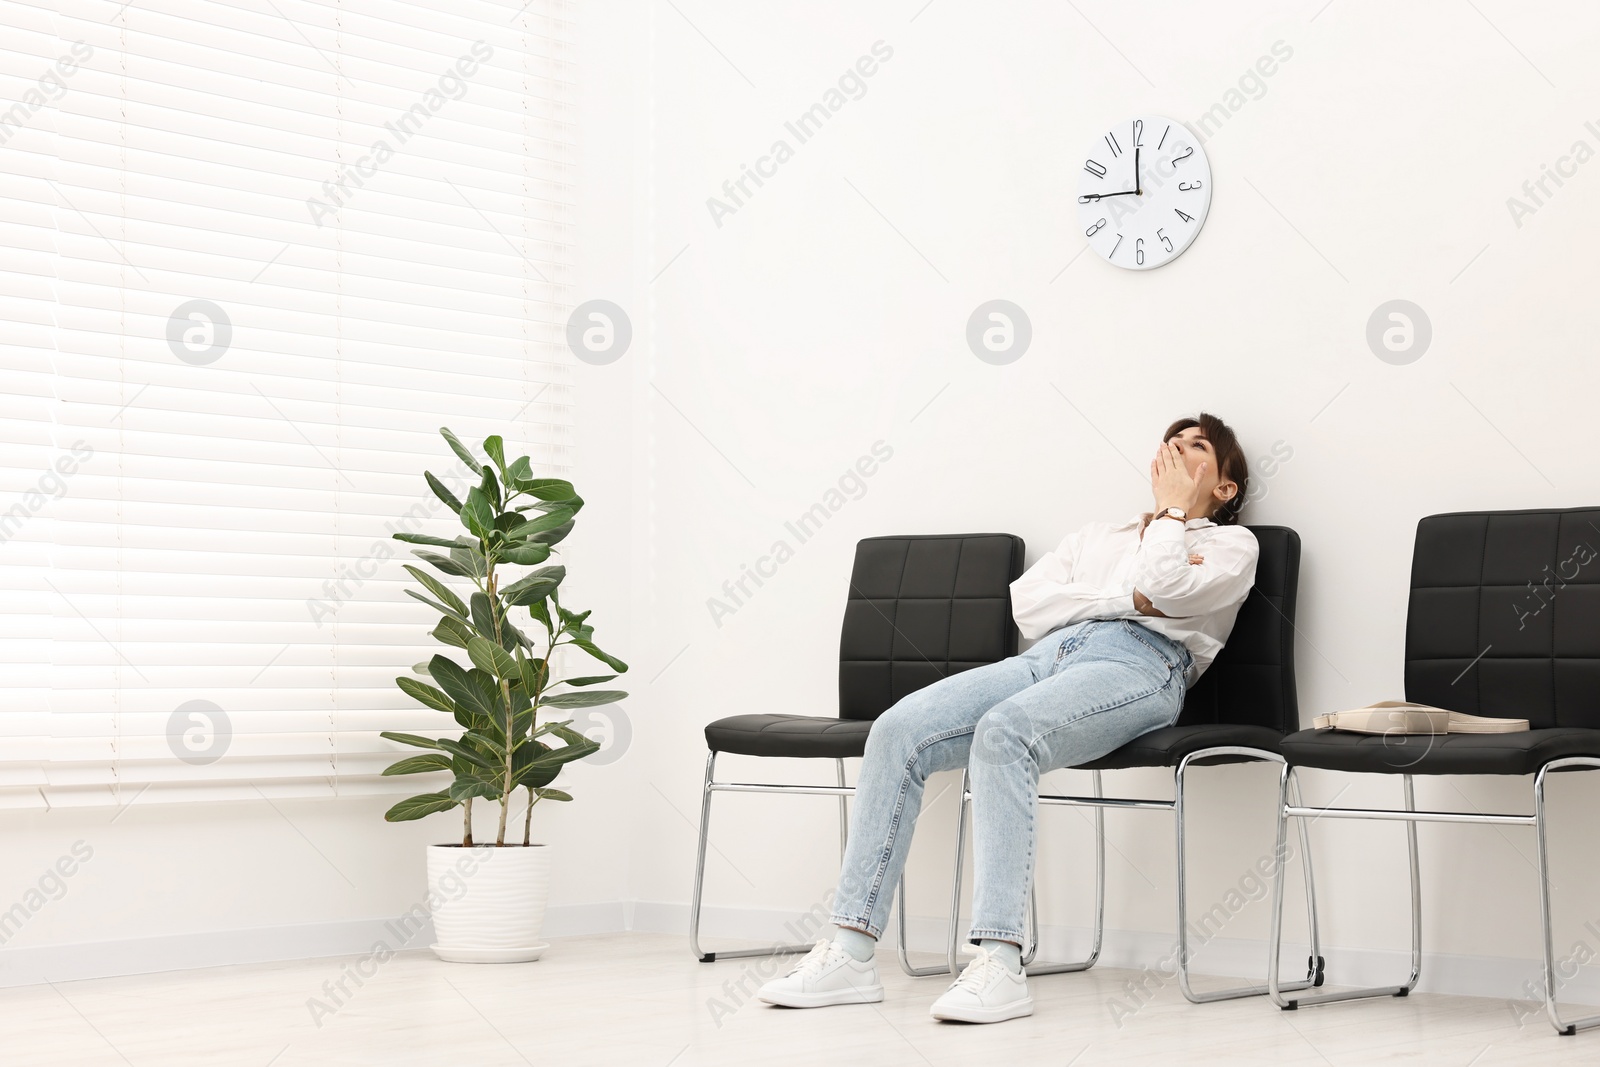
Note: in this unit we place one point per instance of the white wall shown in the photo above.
(772, 351)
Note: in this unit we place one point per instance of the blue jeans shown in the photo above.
(1080, 692)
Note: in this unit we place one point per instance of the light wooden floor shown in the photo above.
(641, 999)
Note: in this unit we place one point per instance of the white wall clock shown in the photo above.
(1143, 192)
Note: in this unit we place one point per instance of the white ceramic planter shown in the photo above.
(488, 903)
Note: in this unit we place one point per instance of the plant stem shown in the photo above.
(527, 822)
(466, 815)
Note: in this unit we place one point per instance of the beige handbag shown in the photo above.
(1403, 717)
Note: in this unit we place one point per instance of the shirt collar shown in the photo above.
(1196, 523)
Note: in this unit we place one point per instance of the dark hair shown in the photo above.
(1230, 462)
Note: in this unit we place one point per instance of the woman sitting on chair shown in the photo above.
(1128, 615)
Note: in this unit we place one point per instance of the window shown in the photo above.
(253, 257)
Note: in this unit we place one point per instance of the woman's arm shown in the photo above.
(1177, 588)
(1047, 597)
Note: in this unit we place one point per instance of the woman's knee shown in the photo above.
(1003, 735)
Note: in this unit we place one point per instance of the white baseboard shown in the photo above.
(1143, 951)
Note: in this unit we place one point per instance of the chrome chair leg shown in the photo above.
(1033, 938)
(955, 888)
(1099, 901)
(844, 814)
(1275, 988)
(1314, 963)
(1564, 1028)
(699, 885)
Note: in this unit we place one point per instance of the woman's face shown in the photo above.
(1195, 449)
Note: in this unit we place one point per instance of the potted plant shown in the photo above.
(488, 902)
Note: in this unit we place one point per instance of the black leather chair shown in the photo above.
(1503, 620)
(920, 608)
(1239, 710)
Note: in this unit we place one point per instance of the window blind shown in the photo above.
(273, 249)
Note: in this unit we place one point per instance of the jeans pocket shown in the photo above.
(1149, 639)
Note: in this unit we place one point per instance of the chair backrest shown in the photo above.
(922, 607)
(1504, 617)
(1251, 682)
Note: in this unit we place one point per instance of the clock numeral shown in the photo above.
(1187, 187)
(1114, 247)
(1138, 133)
(1092, 230)
(1097, 169)
(1138, 251)
(1111, 142)
(1165, 240)
(1181, 215)
(1163, 138)
(1187, 153)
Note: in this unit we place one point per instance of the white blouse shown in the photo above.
(1092, 575)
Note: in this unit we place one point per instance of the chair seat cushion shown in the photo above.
(789, 735)
(1523, 752)
(1167, 747)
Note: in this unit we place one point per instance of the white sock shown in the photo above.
(1009, 954)
(859, 944)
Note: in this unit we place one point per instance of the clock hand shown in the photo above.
(1089, 198)
(1137, 187)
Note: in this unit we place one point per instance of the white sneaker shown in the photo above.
(987, 992)
(827, 975)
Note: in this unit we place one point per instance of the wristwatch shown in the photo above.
(1175, 512)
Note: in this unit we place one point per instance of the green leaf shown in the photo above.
(442, 493)
(424, 539)
(412, 739)
(420, 764)
(462, 788)
(469, 559)
(461, 450)
(419, 806)
(604, 657)
(553, 794)
(482, 614)
(476, 514)
(565, 732)
(432, 603)
(475, 690)
(548, 521)
(491, 657)
(471, 755)
(590, 699)
(549, 488)
(545, 578)
(491, 488)
(558, 757)
(549, 728)
(532, 674)
(519, 471)
(535, 777)
(438, 589)
(525, 555)
(496, 449)
(593, 679)
(540, 614)
(426, 694)
(512, 638)
(444, 563)
(553, 537)
(452, 631)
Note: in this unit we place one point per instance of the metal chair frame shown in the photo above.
(843, 792)
(1411, 816)
(1100, 802)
